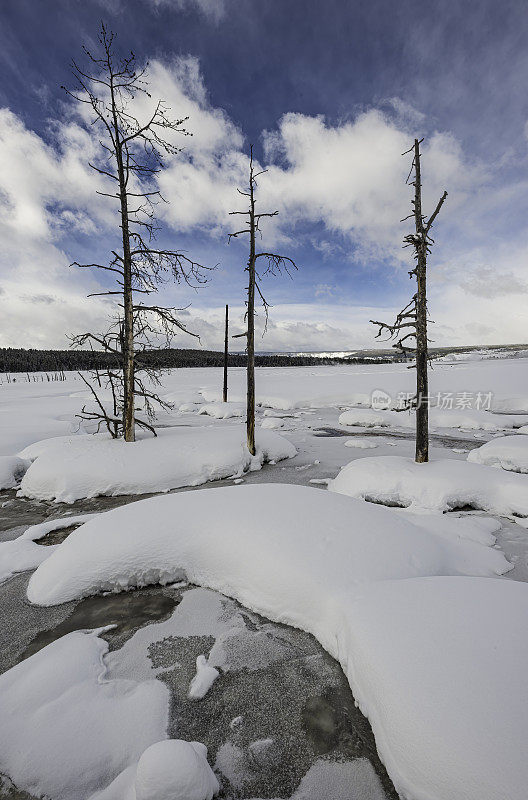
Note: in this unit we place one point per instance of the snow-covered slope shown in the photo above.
(437, 664)
(241, 534)
(436, 486)
(508, 452)
(470, 419)
(69, 468)
(67, 728)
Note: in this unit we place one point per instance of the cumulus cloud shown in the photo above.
(212, 9)
(46, 186)
(290, 328)
(43, 301)
(488, 282)
(346, 180)
(325, 290)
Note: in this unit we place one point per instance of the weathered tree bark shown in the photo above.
(250, 407)
(132, 155)
(422, 355)
(411, 322)
(224, 394)
(129, 430)
(275, 264)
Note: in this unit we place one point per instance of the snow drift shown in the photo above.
(228, 537)
(67, 728)
(222, 410)
(21, 554)
(469, 419)
(440, 485)
(70, 468)
(508, 452)
(12, 469)
(437, 664)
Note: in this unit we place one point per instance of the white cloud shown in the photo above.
(42, 300)
(347, 179)
(44, 188)
(212, 9)
(325, 290)
(488, 282)
(291, 327)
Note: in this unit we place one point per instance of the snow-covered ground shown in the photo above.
(508, 452)
(424, 610)
(36, 410)
(441, 485)
(69, 468)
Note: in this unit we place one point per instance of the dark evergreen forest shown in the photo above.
(20, 360)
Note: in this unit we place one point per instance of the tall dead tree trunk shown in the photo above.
(411, 322)
(274, 265)
(422, 355)
(132, 155)
(250, 395)
(129, 431)
(224, 394)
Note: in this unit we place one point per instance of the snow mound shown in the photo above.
(67, 727)
(175, 770)
(471, 419)
(55, 443)
(361, 444)
(516, 404)
(319, 539)
(508, 452)
(203, 680)
(440, 485)
(438, 667)
(12, 468)
(74, 467)
(366, 417)
(182, 397)
(437, 664)
(185, 408)
(272, 423)
(221, 410)
(21, 554)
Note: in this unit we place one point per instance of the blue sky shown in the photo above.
(330, 94)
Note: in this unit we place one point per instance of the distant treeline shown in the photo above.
(20, 360)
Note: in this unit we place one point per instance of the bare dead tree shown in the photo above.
(226, 347)
(132, 152)
(411, 322)
(274, 265)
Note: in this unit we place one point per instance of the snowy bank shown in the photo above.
(470, 419)
(222, 410)
(508, 452)
(272, 423)
(440, 485)
(21, 554)
(437, 664)
(168, 770)
(229, 537)
(12, 468)
(67, 727)
(70, 468)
